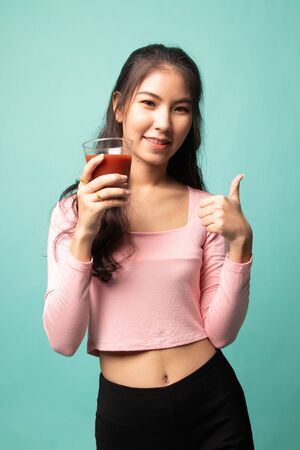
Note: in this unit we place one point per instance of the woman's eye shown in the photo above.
(182, 109)
(148, 102)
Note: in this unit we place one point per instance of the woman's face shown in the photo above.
(159, 116)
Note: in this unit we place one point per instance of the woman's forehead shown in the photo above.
(164, 81)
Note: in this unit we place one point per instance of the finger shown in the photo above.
(208, 220)
(90, 167)
(206, 210)
(110, 193)
(118, 203)
(234, 192)
(207, 201)
(111, 202)
(105, 180)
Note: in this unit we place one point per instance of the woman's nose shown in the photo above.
(162, 120)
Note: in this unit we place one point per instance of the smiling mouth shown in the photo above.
(157, 141)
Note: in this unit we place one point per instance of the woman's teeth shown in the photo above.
(157, 141)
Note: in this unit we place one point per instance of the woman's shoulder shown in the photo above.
(64, 211)
(180, 187)
(67, 202)
(199, 192)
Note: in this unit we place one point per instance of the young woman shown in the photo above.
(157, 270)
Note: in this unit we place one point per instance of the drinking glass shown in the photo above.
(117, 155)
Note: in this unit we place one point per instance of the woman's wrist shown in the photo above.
(240, 250)
(81, 245)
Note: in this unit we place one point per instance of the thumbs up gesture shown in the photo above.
(223, 215)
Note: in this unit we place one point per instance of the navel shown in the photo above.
(165, 378)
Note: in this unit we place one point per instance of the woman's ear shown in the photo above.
(115, 100)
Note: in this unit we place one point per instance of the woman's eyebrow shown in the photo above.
(181, 100)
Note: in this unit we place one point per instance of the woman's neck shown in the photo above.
(148, 177)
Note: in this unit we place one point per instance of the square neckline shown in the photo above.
(174, 229)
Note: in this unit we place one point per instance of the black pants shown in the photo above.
(205, 410)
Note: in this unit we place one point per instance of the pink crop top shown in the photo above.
(178, 287)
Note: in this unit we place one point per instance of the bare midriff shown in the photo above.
(159, 367)
(155, 368)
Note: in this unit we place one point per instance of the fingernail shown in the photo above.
(124, 177)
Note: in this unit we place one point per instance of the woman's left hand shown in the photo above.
(223, 215)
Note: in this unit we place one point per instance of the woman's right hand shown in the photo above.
(90, 208)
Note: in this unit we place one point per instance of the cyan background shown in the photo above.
(59, 60)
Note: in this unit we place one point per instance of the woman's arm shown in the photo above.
(66, 307)
(225, 288)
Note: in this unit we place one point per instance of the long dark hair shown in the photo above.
(182, 166)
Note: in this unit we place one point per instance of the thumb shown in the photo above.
(234, 193)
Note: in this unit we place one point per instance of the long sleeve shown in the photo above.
(66, 307)
(225, 289)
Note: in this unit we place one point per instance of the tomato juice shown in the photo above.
(112, 164)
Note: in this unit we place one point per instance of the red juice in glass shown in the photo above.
(112, 164)
(117, 155)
